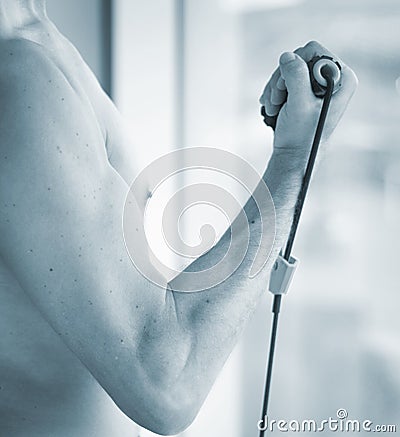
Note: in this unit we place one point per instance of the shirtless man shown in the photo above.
(86, 337)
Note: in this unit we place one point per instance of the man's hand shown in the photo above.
(289, 95)
(298, 116)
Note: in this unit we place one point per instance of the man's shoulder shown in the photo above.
(29, 73)
(40, 108)
(32, 86)
(21, 59)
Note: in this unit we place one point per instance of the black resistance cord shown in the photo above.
(327, 73)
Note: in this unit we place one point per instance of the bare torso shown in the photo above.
(44, 389)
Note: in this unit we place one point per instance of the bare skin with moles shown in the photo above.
(88, 345)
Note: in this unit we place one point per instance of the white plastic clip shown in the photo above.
(282, 274)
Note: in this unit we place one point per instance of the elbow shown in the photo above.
(168, 389)
(166, 415)
(174, 404)
(167, 398)
(173, 425)
(173, 397)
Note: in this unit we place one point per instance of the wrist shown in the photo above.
(284, 176)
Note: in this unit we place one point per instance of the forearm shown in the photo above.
(213, 319)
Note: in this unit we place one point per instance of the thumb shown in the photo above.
(295, 72)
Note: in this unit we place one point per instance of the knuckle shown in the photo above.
(313, 45)
(314, 48)
(300, 51)
(310, 49)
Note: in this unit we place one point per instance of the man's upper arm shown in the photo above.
(60, 226)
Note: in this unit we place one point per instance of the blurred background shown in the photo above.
(189, 73)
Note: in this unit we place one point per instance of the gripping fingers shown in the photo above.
(278, 97)
(266, 97)
(281, 84)
(312, 49)
(292, 75)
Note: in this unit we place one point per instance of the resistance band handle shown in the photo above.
(316, 67)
